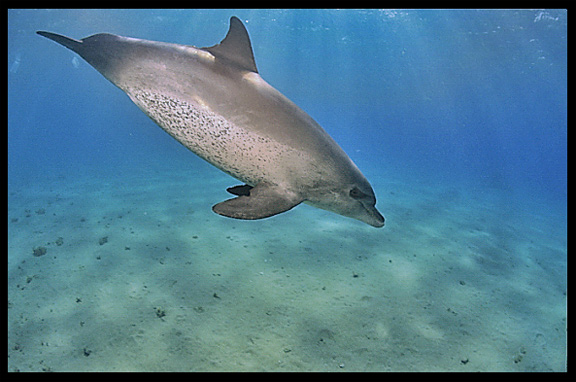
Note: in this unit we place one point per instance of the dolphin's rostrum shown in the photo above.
(214, 102)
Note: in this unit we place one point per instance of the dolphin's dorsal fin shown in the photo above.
(236, 47)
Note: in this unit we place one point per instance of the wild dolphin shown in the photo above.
(214, 102)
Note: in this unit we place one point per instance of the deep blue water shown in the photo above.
(459, 95)
(469, 101)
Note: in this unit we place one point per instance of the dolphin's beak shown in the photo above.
(374, 218)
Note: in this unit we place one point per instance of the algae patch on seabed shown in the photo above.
(39, 251)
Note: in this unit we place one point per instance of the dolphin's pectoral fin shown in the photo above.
(243, 190)
(259, 202)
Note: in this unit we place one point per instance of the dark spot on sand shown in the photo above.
(160, 313)
(39, 251)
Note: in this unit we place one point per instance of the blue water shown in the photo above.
(457, 118)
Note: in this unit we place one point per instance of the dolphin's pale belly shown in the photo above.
(235, 150)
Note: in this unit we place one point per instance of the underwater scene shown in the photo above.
(423, 229)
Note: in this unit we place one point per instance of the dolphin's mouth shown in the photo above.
(375, 217)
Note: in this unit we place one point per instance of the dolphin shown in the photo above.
(213, 101)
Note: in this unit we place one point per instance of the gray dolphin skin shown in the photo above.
(214, 102)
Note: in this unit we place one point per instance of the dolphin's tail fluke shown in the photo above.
(70, 43)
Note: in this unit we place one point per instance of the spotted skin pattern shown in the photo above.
(215, 139)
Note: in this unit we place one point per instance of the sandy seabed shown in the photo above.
(139, 274)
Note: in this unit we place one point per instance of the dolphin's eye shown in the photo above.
(356, 193)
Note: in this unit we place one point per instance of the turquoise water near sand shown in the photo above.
(457, 118)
